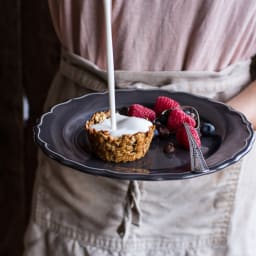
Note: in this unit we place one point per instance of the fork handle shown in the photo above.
(197, 161)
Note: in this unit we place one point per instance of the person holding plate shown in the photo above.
(199, 47)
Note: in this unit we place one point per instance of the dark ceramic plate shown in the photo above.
(61, 136)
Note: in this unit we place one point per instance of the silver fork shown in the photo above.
(197, 160)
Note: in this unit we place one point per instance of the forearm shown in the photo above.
(245, 102)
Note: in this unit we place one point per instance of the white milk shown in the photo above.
(110, 63)
(124, 125)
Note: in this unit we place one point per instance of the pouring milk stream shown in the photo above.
(119, 125)
(110, 62)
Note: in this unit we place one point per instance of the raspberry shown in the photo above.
(177, 117)
(164, 103)
(182, 138)
(141, 111)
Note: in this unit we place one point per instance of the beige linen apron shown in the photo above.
(79, 214)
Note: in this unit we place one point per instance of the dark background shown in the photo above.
(29, 56)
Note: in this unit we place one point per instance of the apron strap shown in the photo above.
(81, 73)
(132, 211)
(220, 85)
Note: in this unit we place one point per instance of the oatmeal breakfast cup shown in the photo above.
(129, 142)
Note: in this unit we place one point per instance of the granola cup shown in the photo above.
(125, 148)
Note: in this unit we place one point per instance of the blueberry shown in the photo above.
(163, 117)
(187, 111)
(163, 131)
(156, 132)
(207, 129)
